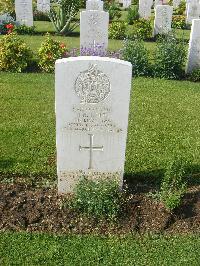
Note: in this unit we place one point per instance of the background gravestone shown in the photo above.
(193, 12)
(92, 106)
(194, 47)
(176, 3)
(94, 5)
(145, 8)
(43, 5)
(126, 3)
(94, 28)
(24, 12)
(163, 19)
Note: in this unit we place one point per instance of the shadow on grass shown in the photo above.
(147, 181)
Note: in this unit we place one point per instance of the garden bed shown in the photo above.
(24, 208)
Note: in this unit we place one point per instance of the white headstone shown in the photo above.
(94, 5)
(191, 2)
(176, 3)
(145, 8)
(163, 19)
(158, 2)
(193, 12)
(126, 3)
(43, 5)
(92, 106)
(194, 47)
(24, 12)
(94, 30)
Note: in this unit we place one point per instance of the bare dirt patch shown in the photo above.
(24, 208)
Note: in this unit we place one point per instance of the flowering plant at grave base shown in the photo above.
(15, 56)
(117, 30)
(49, 52)
(90, 51)
(7, 24)
(6, 27)
(179, 22)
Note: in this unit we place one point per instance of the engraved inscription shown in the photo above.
(93, 118)
(92, 85)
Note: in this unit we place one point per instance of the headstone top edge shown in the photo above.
(92, 58)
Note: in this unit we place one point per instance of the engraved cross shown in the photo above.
(91, 148)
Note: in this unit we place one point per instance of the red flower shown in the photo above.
(62, 45)
(9, 26)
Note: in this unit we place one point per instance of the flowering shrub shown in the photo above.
(6, 27)
(15, 56)
(23, 29)
(7, 6)
(132, 14)
(49, 52)
(141, 29)
(7, 24)
(170, 57)
(117, 30)
(180, 10)
(136, 53)
(179, 22)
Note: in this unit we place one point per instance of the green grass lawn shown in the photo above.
(42, 249)
(164, 121)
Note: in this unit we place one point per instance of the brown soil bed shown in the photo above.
(24, 208)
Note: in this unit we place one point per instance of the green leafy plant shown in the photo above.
(99, 199)
(179, 22)
(132, 15)
(170, 57)
(40, 16)
(180, 10)
(23, 29)
(62, 14)
(15, 55)
(117, 30)
(49, 52)
(173, 187)
(113, 9)
(136, 53)
(7, 6)
(141, 29)
(194, 75)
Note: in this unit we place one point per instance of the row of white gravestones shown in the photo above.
(145, 8)
(43, 5)
(192, 12)
(94, 27)
(194, 47)
(24, 12)
(92, 106)
(163, 19)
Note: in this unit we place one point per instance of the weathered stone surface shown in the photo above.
(194, 47)
(94, 31)
(163, 19)
(43, 5)
(24, 12)
(92, 105)
(193, 12)
(145, 8)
